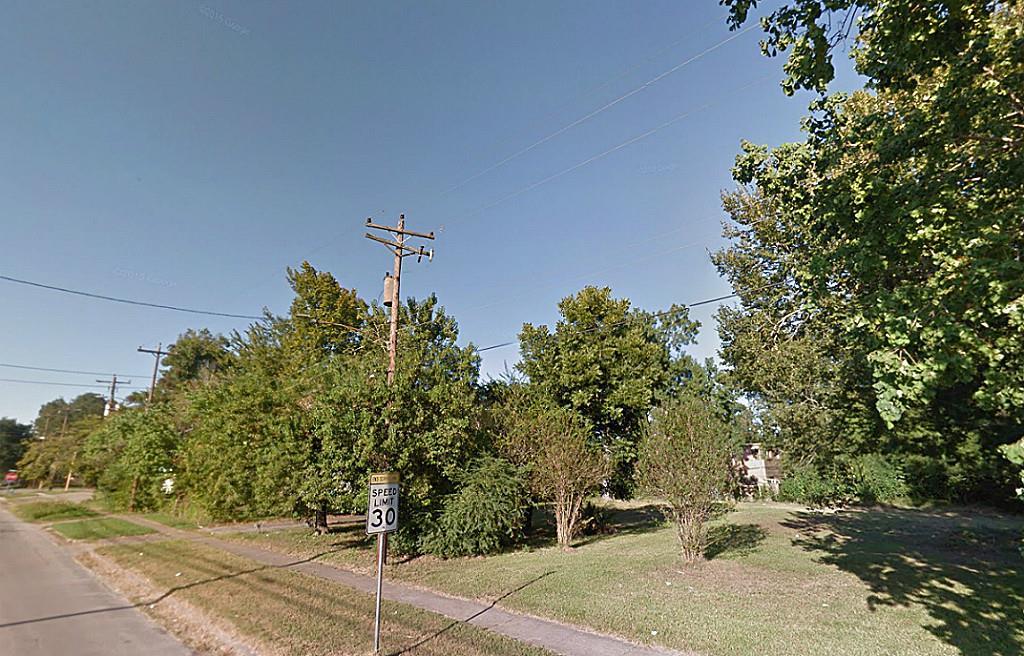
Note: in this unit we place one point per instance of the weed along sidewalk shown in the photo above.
(546, 634)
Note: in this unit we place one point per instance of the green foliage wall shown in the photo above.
(879, 260)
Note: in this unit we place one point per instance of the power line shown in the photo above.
(608, 105)
(654, 314)
(127, 301)
(603, 154)
(47, 382)
(63, 371)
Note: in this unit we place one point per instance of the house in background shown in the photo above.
(762, 470)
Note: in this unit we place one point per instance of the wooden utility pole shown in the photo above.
(71, 469)
(53, 471)
(393, 299)
(112, 403)
(156, 365)
(400, 251)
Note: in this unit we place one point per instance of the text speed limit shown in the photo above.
(382, 509)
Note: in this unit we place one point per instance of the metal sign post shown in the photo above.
(381, 519)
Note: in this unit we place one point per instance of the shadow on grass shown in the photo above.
(963, 567)
(607, 523)
(733, 540)
(453, 624)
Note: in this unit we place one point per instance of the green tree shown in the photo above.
(47, 460)
(553, 444)
(131, 454)
(893, 232)
(425, 425)
(12, 442)
(685, 459)
(608, 362)
(244, 452)
(52, 413)
(326, 318)
(196, 356)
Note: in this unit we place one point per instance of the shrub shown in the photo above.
(685, 459)
(486, 515)
(875, 479)
(806, 484)
(565, 467)
(927, 478)
(867, 478)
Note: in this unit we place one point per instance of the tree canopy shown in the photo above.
(879, 261)
(608, 362)
(12, 442)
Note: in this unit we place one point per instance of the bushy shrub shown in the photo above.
(927, 478)
(486, 515)
(806, 484)
(685, 460)
(867, 479)
(875, 479)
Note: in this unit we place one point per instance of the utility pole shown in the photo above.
(400, 251)
(53, 470)
(393, 299)
(156, 365)
(112, 404)
(71, 469)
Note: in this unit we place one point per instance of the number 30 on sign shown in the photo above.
(382, 510)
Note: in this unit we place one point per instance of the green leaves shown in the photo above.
(894, 231)
(13, 437)
(607, 362)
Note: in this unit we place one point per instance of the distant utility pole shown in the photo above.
(112, 404)
(156, 365)
(393, 282)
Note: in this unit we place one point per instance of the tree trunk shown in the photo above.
(131, 497)
(320, 519)
(567, 514)
(690, 529)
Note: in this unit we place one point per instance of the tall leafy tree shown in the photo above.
(131, 455)
(52, 413)
(326, 318)
(12, 442)
(608, 362)
(894, 231)
(244, 452)
(425, 425)
(196, 356)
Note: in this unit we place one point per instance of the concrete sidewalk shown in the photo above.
(551, 635)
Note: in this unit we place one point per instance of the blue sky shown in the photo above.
(186, 153)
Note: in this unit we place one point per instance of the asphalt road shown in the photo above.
(52, 606)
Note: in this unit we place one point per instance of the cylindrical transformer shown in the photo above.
(389, 288)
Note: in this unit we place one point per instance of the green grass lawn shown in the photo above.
(299, 615)
(98, 529)
(779, 580)
(50, 511)
(168, 519)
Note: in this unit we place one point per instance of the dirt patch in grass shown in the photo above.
(288, 613)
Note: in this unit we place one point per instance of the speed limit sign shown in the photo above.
(382, 509)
